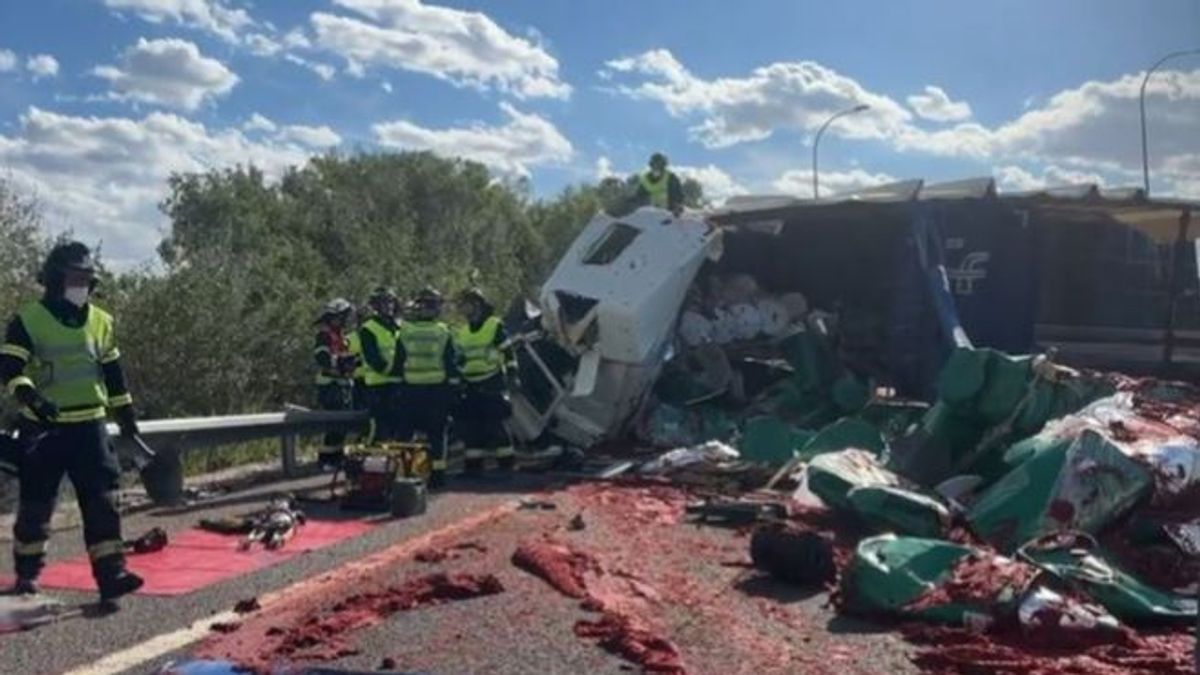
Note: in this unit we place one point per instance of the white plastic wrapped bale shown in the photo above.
(746, 321)
(774, 316)
(796, 305)
(695, 329)
(722, 327)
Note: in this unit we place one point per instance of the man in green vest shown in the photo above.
(335, 370)
(59, 361)
(377, 338)
(428, 363)
(660, 187)
(485, 406)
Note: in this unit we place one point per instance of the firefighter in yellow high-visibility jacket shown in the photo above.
(484, 407)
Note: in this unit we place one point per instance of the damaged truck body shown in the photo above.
(907, 272)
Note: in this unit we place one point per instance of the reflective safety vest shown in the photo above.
(659, 190)
(385, 338)
(424, 350)
(481, 358)
(354, 345)
(331, 375)
(65, 362)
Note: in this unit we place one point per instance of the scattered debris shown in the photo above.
(557, 564)
(433, 554)
(322, 635)
(152, 541)
(537, 505)
(793, 555)
(225, 627)
(247, 606)
(577, 524)
(388, 663)
(712, 453)
(622, 635)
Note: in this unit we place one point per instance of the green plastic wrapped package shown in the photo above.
(902, 576)
(848, 432)
(1081, 486)
(833, 475)
(894, 509)
(1123, 595)
(770, 439)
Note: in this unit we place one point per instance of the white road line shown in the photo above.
(153, 648)
(161, 645)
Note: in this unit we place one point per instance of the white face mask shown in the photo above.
(76, 295)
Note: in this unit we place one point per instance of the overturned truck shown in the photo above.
(890, 280)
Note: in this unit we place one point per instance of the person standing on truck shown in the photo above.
(428, 363)
(660, 187)
(60, 362)
(335, 369)
(484, 407)
(377, 338)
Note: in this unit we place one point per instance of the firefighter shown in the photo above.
(660, 187)
(358, 395)
(377, 339)
(59, 361)
(335, 369)
(484, 407)
(428, 363)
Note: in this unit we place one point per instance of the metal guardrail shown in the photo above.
(172, 438)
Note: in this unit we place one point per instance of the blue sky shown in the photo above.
(101, 99)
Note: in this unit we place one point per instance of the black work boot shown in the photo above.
(25, 586)
(117, 585)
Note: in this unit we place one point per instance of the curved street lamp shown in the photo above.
(817, 140)
(1142, 106)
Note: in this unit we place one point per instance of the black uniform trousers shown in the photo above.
(426, 408)
(382, 404)
(480, 418)
(334, 396)
(83, 453)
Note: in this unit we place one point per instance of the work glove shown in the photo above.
(346, 364)
(126, 421)
(44, 410)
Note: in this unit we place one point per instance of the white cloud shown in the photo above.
(169, 72)
(212, 16)
(104, 176)
(798, 95)
(1091, 128)
(1013, 178)
(322, 70)
(461, 47)
(313, 137)
(718, 185)
(261, 44)
(386, 86)
(8, 61)
(259, 122)
(525, 140)
(936, 105)
(42, 65)
(798, 183)
(604, 168)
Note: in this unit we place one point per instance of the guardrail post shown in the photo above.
(288, 443)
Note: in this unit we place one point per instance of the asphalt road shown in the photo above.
(723, 617)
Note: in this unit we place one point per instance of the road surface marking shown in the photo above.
(328, 581)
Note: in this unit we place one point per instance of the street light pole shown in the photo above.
(1142, 107)
(817, 140)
